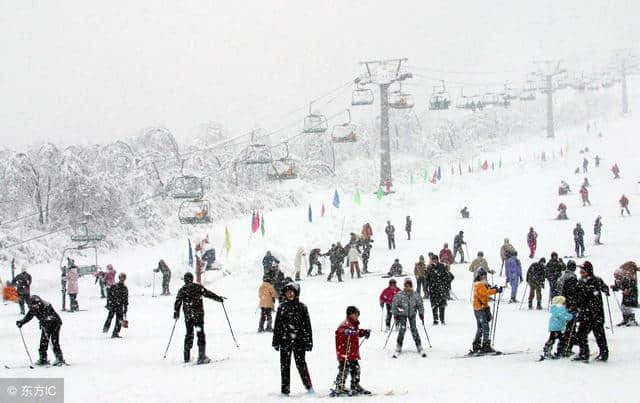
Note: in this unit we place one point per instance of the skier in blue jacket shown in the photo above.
(513, 271)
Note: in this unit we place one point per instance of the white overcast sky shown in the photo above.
(89, 71)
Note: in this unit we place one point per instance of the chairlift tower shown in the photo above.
(376, 74)
(548, 70)
(625, 64)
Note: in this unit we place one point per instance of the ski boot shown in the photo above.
(338, 391)
(581, 357)
(397, 352)
(602, 357)
(187, 356)
(59, 361)
(422, 353)
(203, 359)
(42, 361)
(486, 348)
(359, 390)
(475, 348)
(539, 306)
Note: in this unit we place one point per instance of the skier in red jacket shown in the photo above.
(386, 298)
(624, 205)
(446, 256)
(348, 354)
(584, 193)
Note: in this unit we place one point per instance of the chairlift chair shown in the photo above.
(289, 173)
(83, 269)
(344, 132)
(258, 154)
(361, 96)
(187, 187)
(83, 235)
(314, 123)
(401, 100)
(194, 212)
(439, 99)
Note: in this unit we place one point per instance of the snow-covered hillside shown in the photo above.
(503, 202)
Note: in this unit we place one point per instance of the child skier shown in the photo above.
(386, 298)
(625, 281)
(557, 326)
(481, 292)
(348, 354)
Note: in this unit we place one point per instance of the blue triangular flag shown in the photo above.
(310, 214)
(439, 173)
(336, 200)
(190, 254)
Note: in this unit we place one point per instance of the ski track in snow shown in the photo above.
(503, 203)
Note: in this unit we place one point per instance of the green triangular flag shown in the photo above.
(262, 230)
(425, 176)
(356, 198)
(411, 178)
(379, 193)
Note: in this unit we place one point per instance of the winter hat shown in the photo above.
(588, 267)
(351, 310)
(480, 254)
(480, 273)
(34, 300)
(571, 265)
(554, 254)
(392, 281)
(110, 267)
(421, 258)
(408, 281)
(544, 260)
(188, 277)
(295, 287)
(122, 276)
(558, 300)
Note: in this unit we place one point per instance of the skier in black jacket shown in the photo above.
(438, 284)
(567, 286)
(535, 279)
(23, 286)
(591, 313)
(554, 269)
(292, 334)
(190, 297)
(458, 241)
(117, 304)
(336, 257)
(50, 324)
(267, 262)
(578, 238)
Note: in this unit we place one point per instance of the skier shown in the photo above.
(557, 327)
(625, 281)
(616, 171)
(597, 229)
(23, 286)
(297, 261)
(386, 299)
(99, 275)
(567, 286)
(336, 257)
(591, 313)
(420, 271)
(562, 212)
(366, 252)
(406, 304)
(292, 335)
(585, 183)
(564, 188)
(267, 295)
(513, 272)
(50, 324)
(553, 271)
(367, 232)
(278, 280)
(535, 279)
(624, 205)
(458, 241)
(117, 304)
(465, 212)
(190, 298)
(314, 260)
(597, 159)
(482, 312)
(578, 238)
(387, 185)
(354, 258)
(348, 354)
(585, 164)
(438, 282)
(505, 251)
(267, 262)
(446, 256)
(532, 242)
(395, 269)
(72, 287)
(479, 263)
(407, 227)
(390, 230)
(109, 277)
(166, 276)
(584, 194)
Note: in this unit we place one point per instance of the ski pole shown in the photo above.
(153, 289)
(573, 328)
(229, 322)
(344, 365)
(617, 302)
(609, 309)
(524, 295)
(382, 317)
(426, 334)
(495, 320)
(454, 294)
(467, 250)
(170, 337)
(389, 335)
(26, 349)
